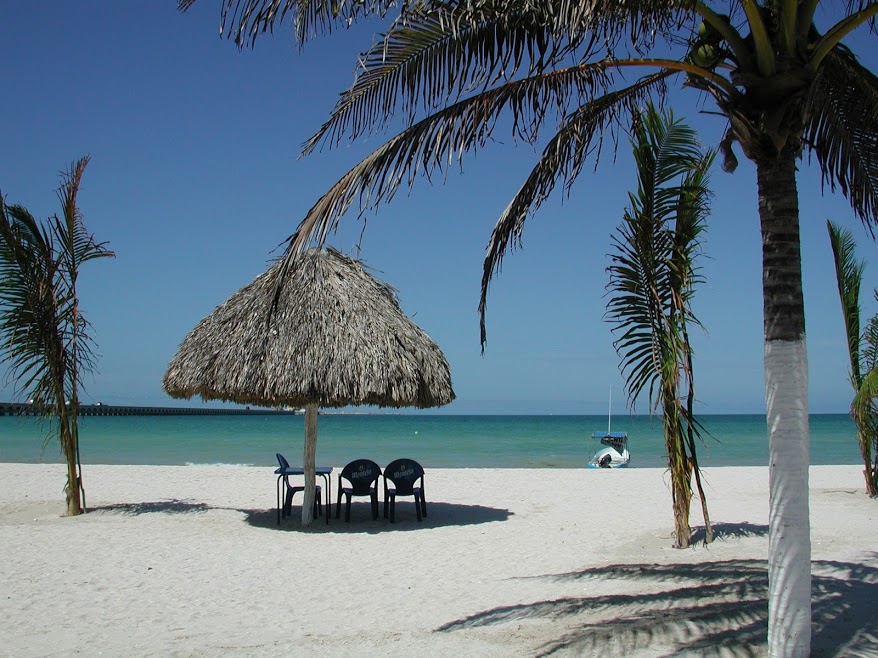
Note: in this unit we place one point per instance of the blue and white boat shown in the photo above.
(614, 453)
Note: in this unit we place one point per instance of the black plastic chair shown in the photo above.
(362, 474)
(283, 472)
(404, 477)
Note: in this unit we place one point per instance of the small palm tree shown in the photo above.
(652, 280)
(862, 349)
(43, 336)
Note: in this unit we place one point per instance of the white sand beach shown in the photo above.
(189, 561)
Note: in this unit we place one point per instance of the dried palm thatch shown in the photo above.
(337, 337)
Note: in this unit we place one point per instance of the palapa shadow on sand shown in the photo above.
(718, 608)
(440, 514)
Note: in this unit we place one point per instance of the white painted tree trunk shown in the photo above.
(309, 462)
(789, 534)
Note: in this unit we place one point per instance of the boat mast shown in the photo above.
(610, 411)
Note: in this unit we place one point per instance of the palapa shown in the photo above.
(323, 333)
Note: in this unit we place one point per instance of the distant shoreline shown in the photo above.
(26, 409)
(100, 409)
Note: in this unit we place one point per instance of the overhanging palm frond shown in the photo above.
(420, 62)
(437, 141)
(843, 113)
(581, 137)
(607, 21)
(849, 277)
(245, 20)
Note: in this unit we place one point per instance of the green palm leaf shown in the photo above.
(563, 158)
(421, 63)
(435, 142)
(849, 277)
(652, 270)
(843, 113)
(245, 20)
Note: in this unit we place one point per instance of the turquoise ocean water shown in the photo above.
(435, 440)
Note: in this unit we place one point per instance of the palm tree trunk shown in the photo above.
(72, 488)
(786, 395)
(678, 464)
(690, 434)
(865, 442)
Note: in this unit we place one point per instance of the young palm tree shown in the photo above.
(864, 408)
(781, 86)
(652, 280)
(849, 274)
(43, 336)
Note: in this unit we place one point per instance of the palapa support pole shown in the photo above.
(309, 463)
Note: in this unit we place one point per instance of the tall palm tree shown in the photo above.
(652, 281)
(849, 275)
(452, 68)
(43, 335)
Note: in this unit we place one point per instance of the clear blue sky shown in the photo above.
(195, 179)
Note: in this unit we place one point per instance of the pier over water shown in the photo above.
(26, 409)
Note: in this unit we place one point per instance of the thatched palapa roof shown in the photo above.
(337, 337)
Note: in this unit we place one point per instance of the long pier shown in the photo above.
(26, 409)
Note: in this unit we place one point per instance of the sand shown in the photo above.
(190, 561)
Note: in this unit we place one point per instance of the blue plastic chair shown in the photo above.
(283, 472)
(404, 477)
(362, 474)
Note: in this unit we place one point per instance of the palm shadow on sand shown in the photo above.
(165, 506)
(439, 515)
(712, 609)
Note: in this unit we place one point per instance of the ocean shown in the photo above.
(437, 441)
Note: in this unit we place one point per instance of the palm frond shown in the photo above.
(849, 278)
(76, 245)
(840, 131)
(608, 21)
(593, 23)
(437, 51)
(423, 63)
(652, 273)
(642, 285)
(434, 143)
(32, 338)
(245, 20)
(863, 408)
(869, 343)
(581, 137)
(691, 214)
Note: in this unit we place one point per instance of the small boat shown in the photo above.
(615, 453)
